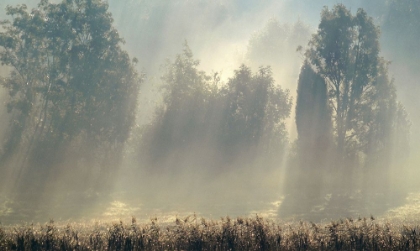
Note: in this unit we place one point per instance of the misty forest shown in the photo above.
(146, 124)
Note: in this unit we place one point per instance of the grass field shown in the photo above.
(194, 233)
(397, 229)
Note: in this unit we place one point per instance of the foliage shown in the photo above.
(345, 53)
(202, 117)
(70, 83)
(347, 114)
(225, 234)
(256, 110)
(313, 115)
(182, 118)
(313, 146)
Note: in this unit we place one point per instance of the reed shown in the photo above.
(193, 233)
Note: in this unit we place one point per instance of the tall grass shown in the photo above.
(192, 233)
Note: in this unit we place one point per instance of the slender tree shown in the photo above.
(313, 115)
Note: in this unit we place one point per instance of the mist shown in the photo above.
(209, 107)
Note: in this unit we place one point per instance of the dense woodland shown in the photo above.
(72, 100)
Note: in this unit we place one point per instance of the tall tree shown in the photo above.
(345, 53)
(345, 94)
(306, 182)
(70, 81)
(313, 115)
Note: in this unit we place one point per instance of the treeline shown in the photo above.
(73, 92)
(203, 122)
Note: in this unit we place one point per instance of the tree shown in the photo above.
(183, 118)
(70, 84)
(212, 123)
(383, 132)
(255, 111)
(308, 165)
(313, 123)
(345, 53)
(313, 115)
(346, 100)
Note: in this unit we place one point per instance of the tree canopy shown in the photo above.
(347, 114)
(345, 52)
(202, 116)
(70, 82)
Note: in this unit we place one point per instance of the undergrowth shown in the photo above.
(192, 233)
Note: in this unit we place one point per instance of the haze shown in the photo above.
(193, 142)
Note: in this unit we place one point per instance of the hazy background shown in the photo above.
(222, 35)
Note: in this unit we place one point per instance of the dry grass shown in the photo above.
(192, 233)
